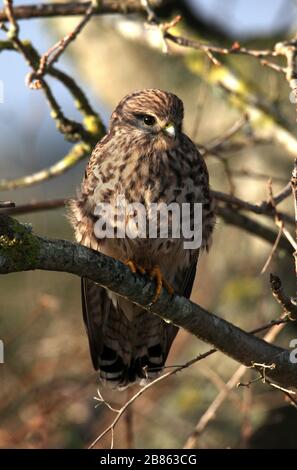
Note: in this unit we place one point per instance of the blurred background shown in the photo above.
(47, 383)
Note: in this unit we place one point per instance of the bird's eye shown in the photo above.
(149, 120)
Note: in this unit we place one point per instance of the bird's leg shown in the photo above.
(156, 274)
(134, 267)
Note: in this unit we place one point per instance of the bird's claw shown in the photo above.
(154, 273)
(134, 267)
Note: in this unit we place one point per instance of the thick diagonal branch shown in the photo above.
(21, 250)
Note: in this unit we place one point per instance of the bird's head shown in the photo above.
(151, 116)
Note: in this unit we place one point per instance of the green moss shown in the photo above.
(94, 125)
(18, 244)
(6, 45)
(76, 153)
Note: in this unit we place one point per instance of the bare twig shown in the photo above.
(278, 222)
(209, 49)
(280, 219)
(287, 304)
(273, 250)
(14, 28)
(282, 389)
(246, 424)
(50, 10)
(80, 100)
(101, 401)
(252, 226)
(73, 131)
(129, 422)
(238, 91)
(77, 153)
(53, 54)
(196, 359)
(234, 49)
(294, 191)
(212, 410)
(263, 207)
(34, 206)
(120, 413)
(199, 107)
(218, 143)
(246, 173)
(287, 392)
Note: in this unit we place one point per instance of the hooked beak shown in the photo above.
(169, 129)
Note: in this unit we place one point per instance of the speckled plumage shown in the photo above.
(147, 165)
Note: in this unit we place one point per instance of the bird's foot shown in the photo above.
(156, 274)
(134, 267)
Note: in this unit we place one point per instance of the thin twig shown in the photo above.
(262, 207)
(101, 401)
(294, 191)
(51, 10)
(14, 28)
(212, 410)
(111, 427)
(54, 52)
(273, 250)
(129, 422)
(77, 153)
(210, 49)
(217, 143)
(273, 324)
(73, 131)
(246, 425)
(287, 304)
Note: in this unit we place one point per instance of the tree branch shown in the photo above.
(49, 10)
(282, 298)
(263, 207)
(228, 214)
(76, 153)
(253, 227)
(21, 250)
(264, 120)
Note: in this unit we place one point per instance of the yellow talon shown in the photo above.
(134, 267)
(156, 274)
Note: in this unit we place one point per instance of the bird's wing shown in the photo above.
(183, 284)
(122, 350)
(186, 277)
(96, 307)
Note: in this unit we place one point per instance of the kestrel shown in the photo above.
(146, 158)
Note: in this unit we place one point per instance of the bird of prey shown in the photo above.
(145, 157)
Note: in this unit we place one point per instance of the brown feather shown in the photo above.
(144, 165)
